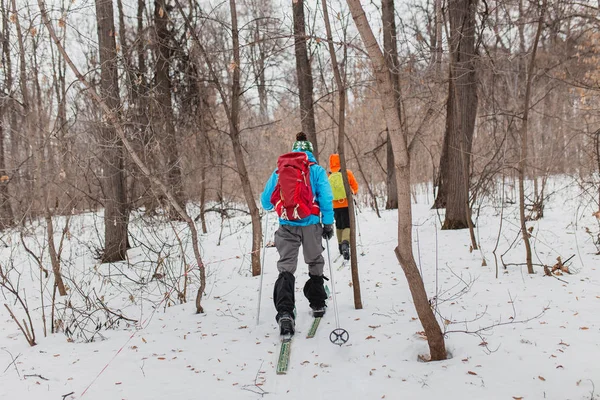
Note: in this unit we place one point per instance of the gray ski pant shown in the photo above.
(288, 240)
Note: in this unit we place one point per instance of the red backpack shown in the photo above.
(293, 197)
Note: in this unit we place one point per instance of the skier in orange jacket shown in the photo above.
(340, 204)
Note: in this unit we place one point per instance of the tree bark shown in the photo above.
(404, 252)
(6, 212)
(116, 212)
(390, 48)
(304, 76)
(341, 86)
(461, 113)
(164, 123)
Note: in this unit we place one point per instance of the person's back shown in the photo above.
(299, 224)
(340, 204)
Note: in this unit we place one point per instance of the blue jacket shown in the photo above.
(320, 188)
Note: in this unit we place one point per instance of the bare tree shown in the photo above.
(116, 210)
(234, 134)
(113, 119)
(390, 48)
(403, 251)
(460, 117)
(163, 118)
(340, 79)
(6, 212)
(523, 158)
(304, 76)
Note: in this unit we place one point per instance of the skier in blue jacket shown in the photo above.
(307, 232)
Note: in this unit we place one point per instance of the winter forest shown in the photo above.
(136, 137)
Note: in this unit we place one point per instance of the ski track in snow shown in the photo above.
(223, 354)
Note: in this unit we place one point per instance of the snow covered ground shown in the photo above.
(545, 346)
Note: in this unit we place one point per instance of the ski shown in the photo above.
(343, 265)
(313, 328)
(284, 354)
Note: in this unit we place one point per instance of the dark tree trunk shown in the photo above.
(6, 213)
(461, 113)
(304, 75)
(390, 49)
(116, 213)
(164, 124)
(234, 133)
(392, 188)
(440, 198)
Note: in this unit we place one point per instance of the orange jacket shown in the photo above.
(334, 165)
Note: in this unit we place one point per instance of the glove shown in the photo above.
(327, 231)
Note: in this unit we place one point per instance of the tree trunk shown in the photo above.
(392, 188)
(203, 149)
(438, 52)
(523, 157)
(6, 214)
(304, 76)
(341, 86)
(404, 252)
(164, 123)
(116, 212)
(149, 199)
(237, 146)
(461, 113)
(441, 177)
(390, 48)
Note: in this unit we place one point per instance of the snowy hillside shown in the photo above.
(545, 345)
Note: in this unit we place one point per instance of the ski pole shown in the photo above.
(262, 267)
(357, 225)
(338, 336)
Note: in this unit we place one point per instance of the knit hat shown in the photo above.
(302, 143)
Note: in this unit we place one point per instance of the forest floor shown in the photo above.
(510, 336)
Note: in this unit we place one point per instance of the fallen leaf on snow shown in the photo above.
(541, 378)
(370, 337)
(471, 373)
(584, 328)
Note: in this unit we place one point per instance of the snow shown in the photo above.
(545, 348)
